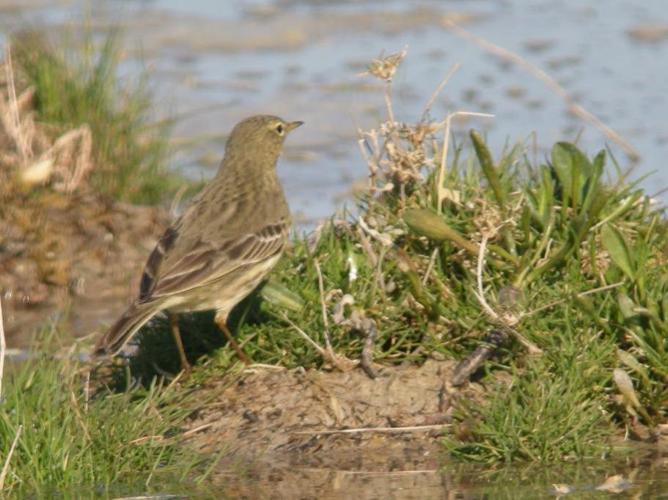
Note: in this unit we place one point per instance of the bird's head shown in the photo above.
(260, 135)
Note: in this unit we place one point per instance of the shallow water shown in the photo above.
(585, 480)
(216, 62)
(600, 479)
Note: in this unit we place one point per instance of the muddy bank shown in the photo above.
(288, 426)
(317, 434)
(71, 259)
(70, 252)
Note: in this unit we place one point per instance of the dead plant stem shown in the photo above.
(415, 428)
(323, 306)
(551, 83)
(5, 467)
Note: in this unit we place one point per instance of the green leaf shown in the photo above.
(614, 243)
(626, 306)
(573, 170)
(563, 167)
(594, 198)
(546, 195)
(427, 223)
(488, 168)
(279, 295)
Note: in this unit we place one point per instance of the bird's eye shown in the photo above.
(280, 130)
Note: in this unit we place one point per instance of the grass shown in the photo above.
(549, 410)
(567, 256)
(119, 441)
(92, 445)
(575, 262)
(80, 87)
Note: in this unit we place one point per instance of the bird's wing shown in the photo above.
(152, 267)
(207, 261)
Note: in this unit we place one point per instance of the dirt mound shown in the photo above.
(282, 427)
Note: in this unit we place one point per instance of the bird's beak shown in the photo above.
(293, 125)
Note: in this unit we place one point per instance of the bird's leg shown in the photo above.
(221, 321)
(176, 333)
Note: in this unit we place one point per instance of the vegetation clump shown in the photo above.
(72, 443)
(565, 259)
(71, 124)
(74, 145)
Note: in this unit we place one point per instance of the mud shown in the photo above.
(74, 260)
(279, 428)
(330, 434)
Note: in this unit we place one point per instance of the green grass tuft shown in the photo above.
(81, 87)
(552, 408)
(114, 441)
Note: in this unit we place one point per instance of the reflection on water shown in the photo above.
(649, 480)
(602, 479)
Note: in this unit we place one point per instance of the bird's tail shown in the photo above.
(125, 327)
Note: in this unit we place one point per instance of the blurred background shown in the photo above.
(211, 63)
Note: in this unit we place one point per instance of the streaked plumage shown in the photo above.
(225, 242)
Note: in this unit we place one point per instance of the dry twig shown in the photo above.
(340, 362)
(305, 336)
(10, 114)
(414, 428)
(505, 320)
(36, 157)
(197, 429)
(480, 293)
(575, 108)
(5, 467)
(581, 294)
(438, 90)
(441, 191)
(323, 306)
(3, 349)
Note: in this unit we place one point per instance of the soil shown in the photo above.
(74, 259)
(287, 432)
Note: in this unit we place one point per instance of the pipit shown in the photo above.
(223, 244)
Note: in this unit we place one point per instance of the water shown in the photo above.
(216, 62)
(596, 480)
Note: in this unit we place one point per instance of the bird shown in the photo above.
(222, 246)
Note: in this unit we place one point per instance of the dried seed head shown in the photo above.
(601, 261)
(487, 218)
(417, 134)
(385, 67)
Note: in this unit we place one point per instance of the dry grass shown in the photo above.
(573, 106)
(397, 153)
(28, 148)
